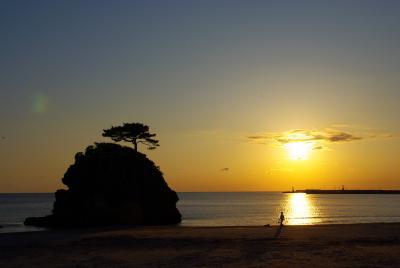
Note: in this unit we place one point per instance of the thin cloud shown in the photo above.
(383, 136)
(304, 135)
(225, 169)
(327, 135)
(259, 137)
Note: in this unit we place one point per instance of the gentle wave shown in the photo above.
(230, 209)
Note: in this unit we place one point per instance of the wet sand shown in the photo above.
(358, 245)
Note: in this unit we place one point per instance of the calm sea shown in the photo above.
(224, 209)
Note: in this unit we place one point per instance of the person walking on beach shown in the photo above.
(281, 218)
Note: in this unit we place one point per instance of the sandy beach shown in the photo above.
(358, 245)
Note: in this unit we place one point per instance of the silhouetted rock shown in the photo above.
(46, 221)
(111, 184)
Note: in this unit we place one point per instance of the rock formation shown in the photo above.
(110, 184)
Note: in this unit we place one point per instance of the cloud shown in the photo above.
(225, 169)
(320, 138)
(306, 135)
(383, 136)
(328, 135)
(259, 137)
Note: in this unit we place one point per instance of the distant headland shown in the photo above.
(343, 191)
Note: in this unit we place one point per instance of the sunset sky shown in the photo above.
(243, 95)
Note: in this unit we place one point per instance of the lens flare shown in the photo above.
(40, 103)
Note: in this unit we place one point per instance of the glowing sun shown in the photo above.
(299, 150)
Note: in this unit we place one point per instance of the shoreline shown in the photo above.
(344, 245)
(117, 227)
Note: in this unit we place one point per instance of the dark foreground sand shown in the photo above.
(366, 245)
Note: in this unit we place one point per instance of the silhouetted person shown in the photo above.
(279, 229)
(281, 218)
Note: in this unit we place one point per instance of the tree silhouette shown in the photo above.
(134, 133)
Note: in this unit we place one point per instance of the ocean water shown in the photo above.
(14, 208)
(230, 209)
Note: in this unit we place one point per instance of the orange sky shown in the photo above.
(223, 84)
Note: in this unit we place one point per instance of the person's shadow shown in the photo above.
(278, 231)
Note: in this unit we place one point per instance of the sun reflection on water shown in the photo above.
(299, 209)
